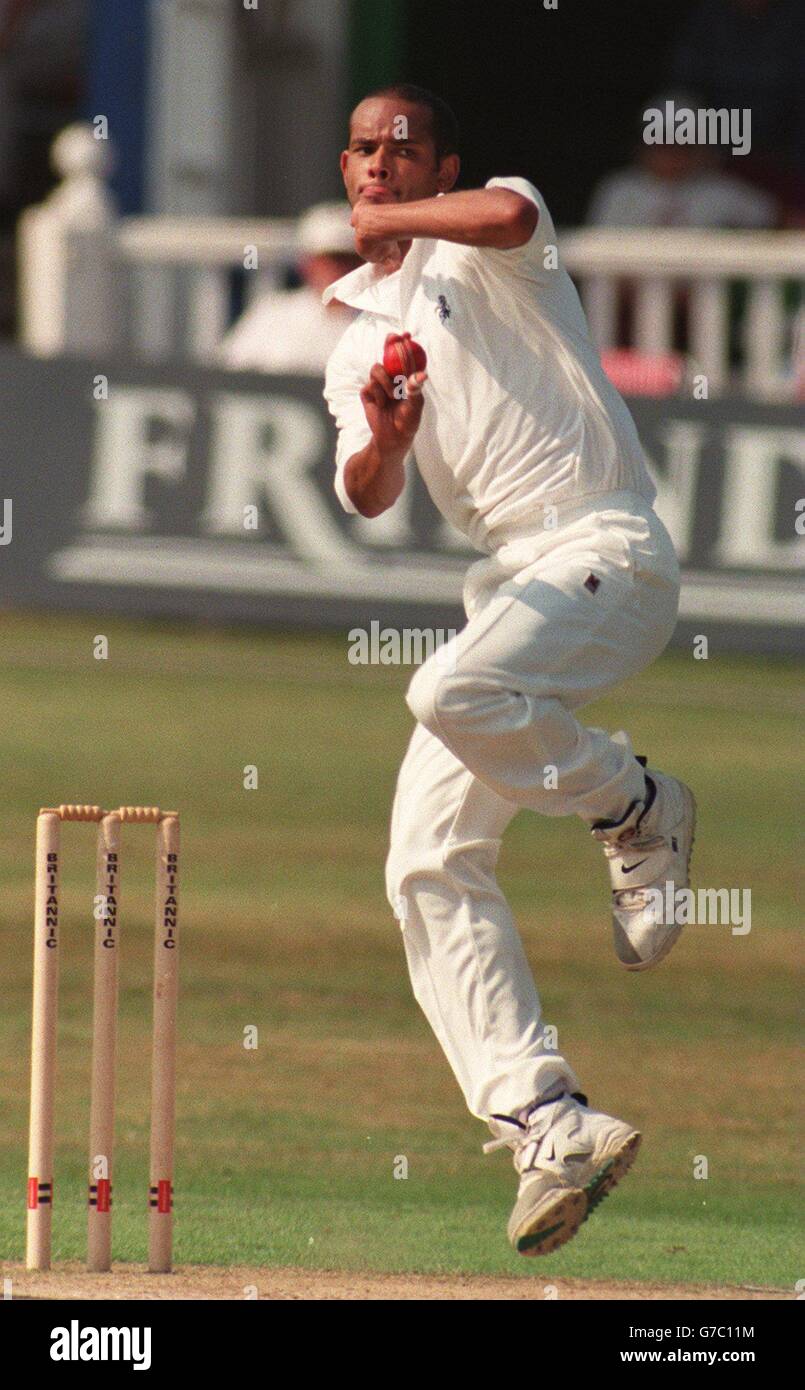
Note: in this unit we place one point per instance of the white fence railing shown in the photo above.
(162, 286)
(704, 266)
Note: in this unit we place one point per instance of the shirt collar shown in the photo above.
(368, 288)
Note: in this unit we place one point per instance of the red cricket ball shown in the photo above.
(402, 356)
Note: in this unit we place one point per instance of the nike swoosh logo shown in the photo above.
(632, 867)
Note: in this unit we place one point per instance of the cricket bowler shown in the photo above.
(526, 448)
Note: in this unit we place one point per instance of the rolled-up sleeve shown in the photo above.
(345, 377)
(528, 258)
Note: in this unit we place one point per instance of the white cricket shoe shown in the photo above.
(649, 853)
(568, 1158)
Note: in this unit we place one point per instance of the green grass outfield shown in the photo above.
(286, 1153)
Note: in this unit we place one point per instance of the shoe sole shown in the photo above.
(560, 1222)
(672, 938)
(555, 1224)
(611, 1171)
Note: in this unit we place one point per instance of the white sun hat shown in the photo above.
(324, 228)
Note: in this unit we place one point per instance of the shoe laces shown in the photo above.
(630, 839)
(633, 835)
(627, 898)
(514, 1139)
(523, 1138)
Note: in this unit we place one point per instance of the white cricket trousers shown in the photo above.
(555, 619)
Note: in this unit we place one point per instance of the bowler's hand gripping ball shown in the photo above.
(402, 356)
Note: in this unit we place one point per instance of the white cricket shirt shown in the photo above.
(518, 412)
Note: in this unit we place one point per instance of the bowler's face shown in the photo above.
(391, 156)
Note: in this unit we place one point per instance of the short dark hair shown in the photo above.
(443, 124)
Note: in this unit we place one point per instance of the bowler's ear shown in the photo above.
(449, 170)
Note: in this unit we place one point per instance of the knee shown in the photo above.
(415, 864)
(421, 695)
(451, 702)
(424, 866)
(442, 699)
(411, 853)
(396, 873)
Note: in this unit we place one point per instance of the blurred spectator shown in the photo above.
(678, 186)
(42, 45)
(291, 330)
(675, 186)
(749, 53)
